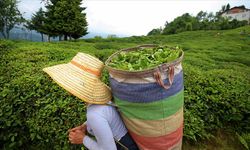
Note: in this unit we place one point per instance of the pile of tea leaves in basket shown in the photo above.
(144, 58)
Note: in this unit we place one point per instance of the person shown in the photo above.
(104, 122)
(81, 77)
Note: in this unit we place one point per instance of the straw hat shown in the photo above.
(81, 77)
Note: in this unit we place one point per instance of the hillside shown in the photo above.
(34, 110)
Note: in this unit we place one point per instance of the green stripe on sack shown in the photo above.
(151, 111)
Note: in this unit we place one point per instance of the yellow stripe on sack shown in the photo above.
(154, 128)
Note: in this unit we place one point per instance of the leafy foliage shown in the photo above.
(65, 17)
(202, 21)
(144, 58)
(35, 113)
(37, 22)
(157, 31)
(9, 16)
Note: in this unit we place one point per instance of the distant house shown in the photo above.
(239, 13)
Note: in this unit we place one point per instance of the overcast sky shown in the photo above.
(135, 17)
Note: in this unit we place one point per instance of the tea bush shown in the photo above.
(35, 113)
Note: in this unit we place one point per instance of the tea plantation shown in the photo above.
(35, 113)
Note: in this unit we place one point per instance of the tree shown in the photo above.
(189, 26)
(210, 16)
(180, 24)
(202, 21)
(37, 22)
(9, 16)
(228, 6)
(65, 17)
(201, 18)
(157, 31)
(211, 21)
(223, 8)
(201, 15)
(49, 19)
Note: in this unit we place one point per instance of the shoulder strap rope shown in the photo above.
(123, 146)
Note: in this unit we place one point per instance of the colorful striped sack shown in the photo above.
(151, 103)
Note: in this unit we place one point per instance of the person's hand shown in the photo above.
(76, 136)
(82, 127)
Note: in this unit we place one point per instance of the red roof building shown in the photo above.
(239, 13)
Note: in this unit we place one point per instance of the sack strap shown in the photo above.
(110, 103)
(123, 146)
(159, 80)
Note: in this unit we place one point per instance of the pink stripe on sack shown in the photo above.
(165, 142)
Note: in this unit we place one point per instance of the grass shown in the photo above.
(217, 88)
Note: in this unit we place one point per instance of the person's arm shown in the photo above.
(103, 134)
